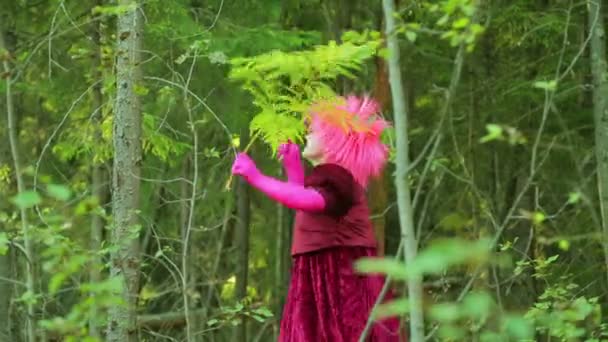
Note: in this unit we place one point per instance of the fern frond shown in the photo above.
(285, 84)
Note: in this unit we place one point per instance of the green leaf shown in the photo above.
(114, 10)
(391, 267)
(564, 244)
(59, 192)
(56, 282)
(396, 307)
(461, 23)
(140, 90)
(445, 253)
(495, 132)
(263, 311)
(258, 318)
(27, 199)
(410, 35)
(478, 305)
(518, 327)
(445, 312)
(538, 217)
(3, 243)
(546, 85)
(454, 221)
(552, 258)
(574, 197)
(28, 297)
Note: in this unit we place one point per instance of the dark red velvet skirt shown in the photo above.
(329, 302)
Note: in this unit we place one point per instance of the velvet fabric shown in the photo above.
(329, 302)
(345, 218)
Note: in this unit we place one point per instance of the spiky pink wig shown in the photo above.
(349, 131)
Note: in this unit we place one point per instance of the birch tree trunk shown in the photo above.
(30, 321)
(403, 191)
(126, 171)
(599, 72)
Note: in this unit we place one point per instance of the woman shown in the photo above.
(327, 299)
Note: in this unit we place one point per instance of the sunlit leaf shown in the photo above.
(4, 242)
(27, 199)
(518, 327)
(574, 197)
(398, 307)
(546, 85)
(495, 132)
(478, 305)
(410, 35)
(392, 267)
(59, 192)
(564, 244)
(445, 312)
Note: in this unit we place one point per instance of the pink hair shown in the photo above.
(349, 132)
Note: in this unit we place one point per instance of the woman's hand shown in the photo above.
(245, 166)
(290, 156)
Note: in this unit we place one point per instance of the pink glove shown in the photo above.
(289, 155)
(291, 195)
(245, 167)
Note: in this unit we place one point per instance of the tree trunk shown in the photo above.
(5, 272)
(97, 181)
(599, 71)
(30, 321)
(126, 174)
(377, 194)
(242, 244)
(5, 297)
(403, 191)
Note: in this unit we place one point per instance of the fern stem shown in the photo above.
(228, 185)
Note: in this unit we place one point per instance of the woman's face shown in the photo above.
(313, 151)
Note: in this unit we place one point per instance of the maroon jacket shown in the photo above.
(345, 221)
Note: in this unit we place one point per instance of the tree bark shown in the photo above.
(97, 180)
(5, 296)
(14, 142)
(403, 191)
(377, 194)
(5, 273)
(126, 174)
(599, 72)
(242, 244)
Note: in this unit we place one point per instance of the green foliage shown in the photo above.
(27, 199)
(3, 243)
(160, 145)
(232, 315)
(476, 315)
(503, 133)
(546, 85)
(435, 259)
(63, 258)
(276, 52)
(563, 314)
(101, 296)
(285, 84)
(59, 192)
(113, 10)
(77, 144)
(458, 15)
